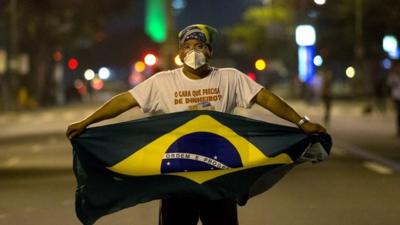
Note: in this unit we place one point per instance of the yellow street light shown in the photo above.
(139, 66)
(260, 64)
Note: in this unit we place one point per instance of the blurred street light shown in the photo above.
(318, 60)
(104, 73)
(320, 2)
(387, 64)
(97, 84)
(390, 45)
(179, 4)
(89, 74)
(80, 86)
(73, 63)
(305, 35)
(57, 56)
(350, 72)
(306, 38)
(150, 59)
(260, 64)
(139, 66)
(155, 21)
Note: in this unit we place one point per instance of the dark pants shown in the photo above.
(187, 211)
(327, 107)
(397, 105)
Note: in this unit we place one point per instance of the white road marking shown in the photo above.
(378, 168)
(367, 155)
(13, 161)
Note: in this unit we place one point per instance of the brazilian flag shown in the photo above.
(197, 154)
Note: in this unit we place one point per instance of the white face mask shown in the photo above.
(194, 59)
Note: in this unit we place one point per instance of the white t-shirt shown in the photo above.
(172, 91)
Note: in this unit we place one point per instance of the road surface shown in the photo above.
(358, 184)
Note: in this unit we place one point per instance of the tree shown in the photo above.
(338, 38)
(264, 29)
(337, 25)
(46, 26)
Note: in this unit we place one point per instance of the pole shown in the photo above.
(12, 61)
(359, 51)
(169, 48)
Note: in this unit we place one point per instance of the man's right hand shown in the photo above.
(75, 129)
(112, 108)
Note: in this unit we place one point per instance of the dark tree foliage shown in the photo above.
(45, 26)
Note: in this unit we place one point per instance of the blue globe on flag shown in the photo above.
(200, 151)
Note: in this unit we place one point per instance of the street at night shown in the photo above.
(218, 99)
(356, 185)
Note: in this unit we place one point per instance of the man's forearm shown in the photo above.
(277, 106)
(112, 108)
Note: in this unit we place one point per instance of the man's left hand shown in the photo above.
(310, 128)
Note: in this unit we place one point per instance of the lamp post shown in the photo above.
(11, 80)
(169, 47)
(358, 47)
(359, 84)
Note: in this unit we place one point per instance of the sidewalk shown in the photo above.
(56, 119)
(35, 141)
(51, 120)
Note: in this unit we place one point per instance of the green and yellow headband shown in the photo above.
(201, 32)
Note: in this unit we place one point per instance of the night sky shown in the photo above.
(126, 41)
(215, 13)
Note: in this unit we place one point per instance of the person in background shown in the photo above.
(393, 82)
(326, 93)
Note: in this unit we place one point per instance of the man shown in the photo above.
(393, 82)
(327, 83)
(196, 86)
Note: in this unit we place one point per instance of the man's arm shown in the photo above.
(112, 108)
(276, 105)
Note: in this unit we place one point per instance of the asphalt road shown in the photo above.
(339, 191)
(358, 184)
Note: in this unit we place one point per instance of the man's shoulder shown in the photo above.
(227, 70)
(165, 74)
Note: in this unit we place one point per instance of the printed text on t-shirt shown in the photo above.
(197, 96)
